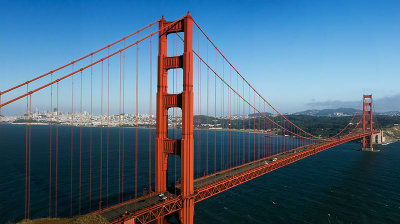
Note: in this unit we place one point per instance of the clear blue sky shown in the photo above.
(298, 54)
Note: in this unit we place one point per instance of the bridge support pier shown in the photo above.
(181, 147)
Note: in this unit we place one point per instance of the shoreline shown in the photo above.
(152, 127)
(391, 134)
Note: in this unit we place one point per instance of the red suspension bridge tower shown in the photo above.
(367, 122)
(181, 147)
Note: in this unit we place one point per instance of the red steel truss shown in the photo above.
(176, 204)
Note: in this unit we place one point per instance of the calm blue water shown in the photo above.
(340, 185)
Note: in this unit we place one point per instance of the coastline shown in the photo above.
(146, 127)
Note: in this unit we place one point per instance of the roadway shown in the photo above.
(149, 207)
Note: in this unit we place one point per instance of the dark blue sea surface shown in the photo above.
(340, 185)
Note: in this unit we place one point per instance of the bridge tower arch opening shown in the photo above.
(165, 146)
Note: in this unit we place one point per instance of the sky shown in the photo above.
(298, 54)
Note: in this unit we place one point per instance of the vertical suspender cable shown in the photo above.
(238, 122)
(207, 113)
(56, 189)
(284, 136)
(264, 134)
(277, 135)
(244, 129)
(215, 117)
(198, 167)
(72, 139)
(101, 138)
(249, 128)
(254, 128)
(26, 154)
(223, 119)
(108, 115)
(259, 129)
(29, 157)
(119, 131)
(230, 118)
(80, 152)
(137, 114)
(50, 124)
(91, 135)
(150, 106)
(123, 125)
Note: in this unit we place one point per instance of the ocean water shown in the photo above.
(340, 185)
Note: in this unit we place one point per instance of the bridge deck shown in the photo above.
(120, 210)
(224, 174)
(149, 207)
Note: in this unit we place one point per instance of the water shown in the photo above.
(340, 185)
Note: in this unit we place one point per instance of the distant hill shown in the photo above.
(340, 112)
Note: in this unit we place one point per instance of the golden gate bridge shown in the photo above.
(228, 133)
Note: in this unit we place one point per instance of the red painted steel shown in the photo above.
(187, 151)
(172, 205)
(367, 121)
(165, 146)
